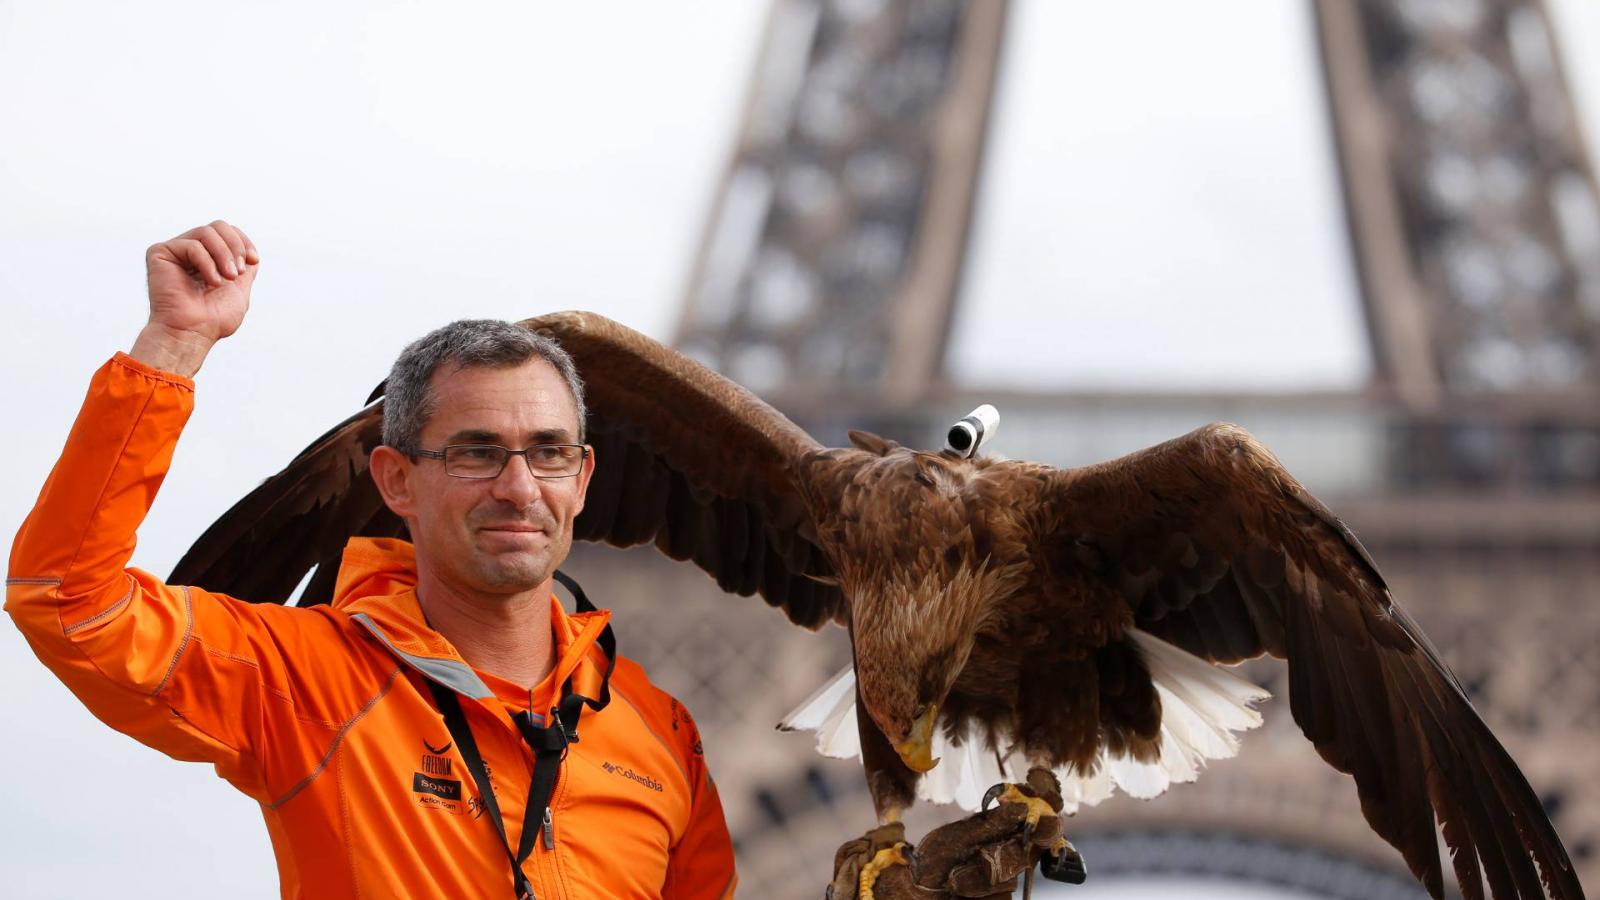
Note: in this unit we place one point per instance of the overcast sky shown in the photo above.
(399, 168)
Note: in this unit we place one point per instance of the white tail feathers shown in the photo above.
(1203, 707)
(831, 713)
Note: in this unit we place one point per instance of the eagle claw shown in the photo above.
(991, 795)
(883, 859)
(1038, 807)
(859, 862)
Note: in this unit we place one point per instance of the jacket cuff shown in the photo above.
(149, 371)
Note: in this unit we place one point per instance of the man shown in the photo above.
(369, 729)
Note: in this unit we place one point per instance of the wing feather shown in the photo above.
(1213, 546)
(301, 517)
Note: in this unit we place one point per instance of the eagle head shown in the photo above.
(911, 643)
(903, 698)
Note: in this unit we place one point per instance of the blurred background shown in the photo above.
(1367, 231)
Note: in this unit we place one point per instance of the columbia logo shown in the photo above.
(630, 774)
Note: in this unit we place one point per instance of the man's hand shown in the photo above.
(199, 291)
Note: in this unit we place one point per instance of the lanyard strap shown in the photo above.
(608, 645)
(548, 742)
(461, 733)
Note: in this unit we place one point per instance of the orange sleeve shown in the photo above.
(170, 666)
(702, 866)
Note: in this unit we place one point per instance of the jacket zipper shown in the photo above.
(548, 835)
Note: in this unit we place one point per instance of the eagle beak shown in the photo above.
(917, 749)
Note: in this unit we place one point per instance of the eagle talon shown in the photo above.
(1038, 807)
(991, 795)
(883, 859)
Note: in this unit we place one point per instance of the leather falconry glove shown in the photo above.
(982, 855)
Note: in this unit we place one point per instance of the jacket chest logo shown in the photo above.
(633, 776)
(433, 784)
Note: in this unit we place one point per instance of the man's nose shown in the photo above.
(516, 484)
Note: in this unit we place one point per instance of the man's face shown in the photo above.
(507, 534)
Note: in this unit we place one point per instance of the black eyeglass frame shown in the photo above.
(442, 453)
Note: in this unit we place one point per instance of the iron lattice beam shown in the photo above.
(1471, 200)
(834, 251)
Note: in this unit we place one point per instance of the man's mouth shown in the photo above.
(514, 533)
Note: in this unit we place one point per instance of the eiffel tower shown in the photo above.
(828, 279)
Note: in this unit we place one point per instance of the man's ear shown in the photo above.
(391, 472)
(584, 474)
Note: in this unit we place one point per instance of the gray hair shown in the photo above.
(408, 401)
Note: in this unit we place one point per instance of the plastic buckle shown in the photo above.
(569, 735)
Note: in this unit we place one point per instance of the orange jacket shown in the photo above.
(323, 715)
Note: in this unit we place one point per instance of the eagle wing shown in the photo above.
(1217, 549)
(685, 458)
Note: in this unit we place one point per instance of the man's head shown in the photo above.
(494, 383)
(408, 399)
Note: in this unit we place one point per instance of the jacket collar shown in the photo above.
(377, 588)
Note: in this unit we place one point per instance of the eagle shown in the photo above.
(1004, 614)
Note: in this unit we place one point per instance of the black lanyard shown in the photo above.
(549, 744)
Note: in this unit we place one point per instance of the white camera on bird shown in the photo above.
(972, 431)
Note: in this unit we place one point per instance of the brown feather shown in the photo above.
(262, 547)
(1365, 685)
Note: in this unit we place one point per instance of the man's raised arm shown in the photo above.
(171, 666)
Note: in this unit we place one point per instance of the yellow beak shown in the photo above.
(917, 749)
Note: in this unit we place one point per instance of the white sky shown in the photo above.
(1171, 196)
(399, 167)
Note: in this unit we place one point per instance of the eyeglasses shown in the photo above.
(548, 461)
